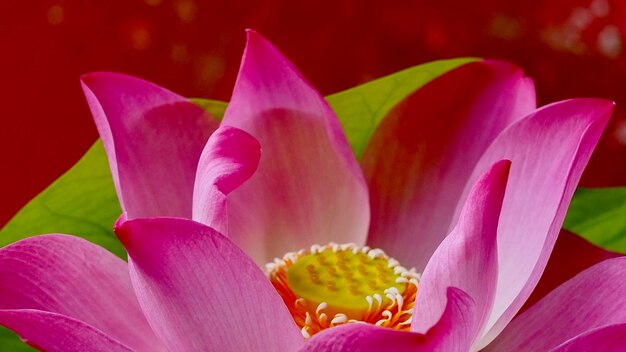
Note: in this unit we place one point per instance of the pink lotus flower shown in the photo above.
(466, 181)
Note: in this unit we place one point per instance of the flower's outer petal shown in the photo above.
(571, 255)
(421, 156)
(548, 150)
(153, 139)
(202, 293)
(611, 338)
(229, 158)
(451, 333)
(54, 332)
(73, 277)
(594, 298)
(467, 258)
(308, 187)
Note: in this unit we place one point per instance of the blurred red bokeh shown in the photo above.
(571, 48)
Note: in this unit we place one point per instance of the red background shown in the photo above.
(571, 48)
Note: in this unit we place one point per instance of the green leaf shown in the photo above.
(214, 107)
(599, 215)
(360, 109)
(11, 342)
(81, 202)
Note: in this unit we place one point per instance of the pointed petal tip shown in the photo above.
(501, 168)
(260, 51)
(96, 78)
(120, 228)
(93, 82)
(89, 77)
(120, 221)
(608, 105)
(125, 229)
(498, 176)
(251, 32)
(259, 56)
(602, 106)
(494, 182)
(85, 78)
(252, 36)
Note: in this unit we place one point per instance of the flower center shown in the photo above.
(330, 285)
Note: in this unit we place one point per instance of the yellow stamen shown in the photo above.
(330, 285)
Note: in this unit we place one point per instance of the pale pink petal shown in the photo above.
(153, 140)
(422, 154)
(202, 293)
(571, 255)
(53, 332)
(548, 150)
(229, 158)
(70, 276)
(467, 258)
(594, 298)
(308, 187)
(611, 338)
(452, 333)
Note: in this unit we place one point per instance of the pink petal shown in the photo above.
(449, 334)
(70, 276)
(571, 255)
(594, 298)
(421, 156)
(58, 333)
(229, 158)
(153, 139)
(548, 150)
(200, 292)
(467, 257)
(611, 338)
(363, 337)
(308, 188)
